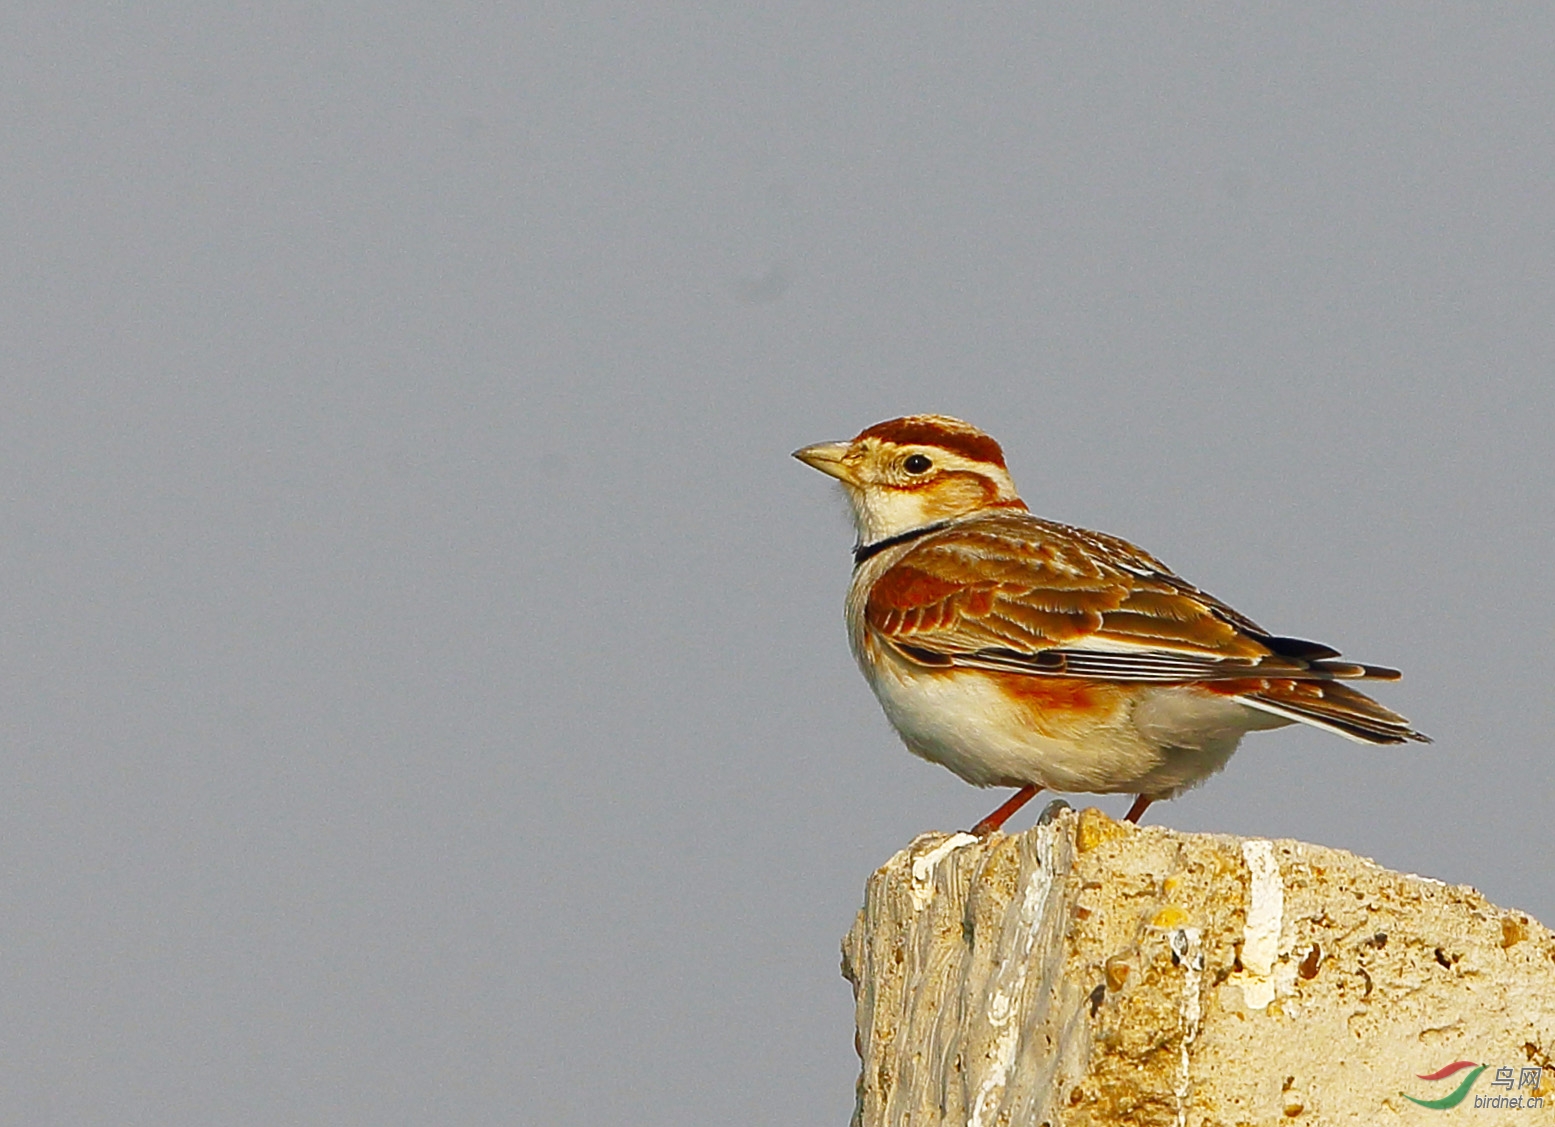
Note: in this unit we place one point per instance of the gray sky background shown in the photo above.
(424, 695)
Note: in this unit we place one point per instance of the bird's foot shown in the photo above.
(1137, 811)
(997, 819)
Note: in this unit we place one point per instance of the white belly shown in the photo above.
(1172, 739)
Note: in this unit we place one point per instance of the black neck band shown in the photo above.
(862, 552)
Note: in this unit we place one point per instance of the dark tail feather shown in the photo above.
(1336, 707)
(1296, 647)
(1317, 656)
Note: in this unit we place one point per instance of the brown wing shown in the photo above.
(1011, 591)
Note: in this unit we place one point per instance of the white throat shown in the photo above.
(879, 514)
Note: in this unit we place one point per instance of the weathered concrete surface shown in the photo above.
(1088, 972)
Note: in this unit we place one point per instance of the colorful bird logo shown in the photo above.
(1455, 1097)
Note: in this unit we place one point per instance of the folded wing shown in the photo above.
(1014, 593)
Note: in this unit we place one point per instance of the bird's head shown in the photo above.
(910, 472)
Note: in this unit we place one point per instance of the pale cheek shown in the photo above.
(887, 513)
(953, 497)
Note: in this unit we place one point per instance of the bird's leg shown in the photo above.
(991, 823)
(1137, 811)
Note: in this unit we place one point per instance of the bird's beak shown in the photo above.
(826, 457)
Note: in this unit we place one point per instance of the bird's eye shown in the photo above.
(917, 463)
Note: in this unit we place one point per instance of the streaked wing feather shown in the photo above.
(1142, 665)
(1009, 591)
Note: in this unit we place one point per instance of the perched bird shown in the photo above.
(1023, 653)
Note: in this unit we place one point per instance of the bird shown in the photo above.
(1021, 652)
